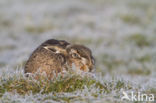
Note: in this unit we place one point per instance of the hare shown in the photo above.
(55, 56)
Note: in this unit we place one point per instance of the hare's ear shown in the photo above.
(55, 49)
(52, 48)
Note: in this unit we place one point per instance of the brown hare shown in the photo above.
(55, 56)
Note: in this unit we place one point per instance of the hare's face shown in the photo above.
(82, 57)
(78, 55)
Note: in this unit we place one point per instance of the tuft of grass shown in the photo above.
(151, 91)
(7, 47)
(139, 39)
(4, 22)
(145, 58)
(139, 71)
(68, 84)
(111, 62)
(131, 19)
(65, 84)
(87, 41)
(38, 29)
(2, 64)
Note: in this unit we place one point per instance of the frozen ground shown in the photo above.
(121, 34)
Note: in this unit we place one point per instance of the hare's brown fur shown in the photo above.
(54, 56)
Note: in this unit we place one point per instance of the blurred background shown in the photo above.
(120, 33)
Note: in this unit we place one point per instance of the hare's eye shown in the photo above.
(74, 55)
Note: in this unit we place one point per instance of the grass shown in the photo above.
(120, 33)
(67, 84)
(8, 47)
(2, 64)
(80, 40)
(139, 71)
(145, 58)
(37, 29)
(131, 19)
(139, 39)
(110, 62)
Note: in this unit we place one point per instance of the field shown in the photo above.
(120, 33)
